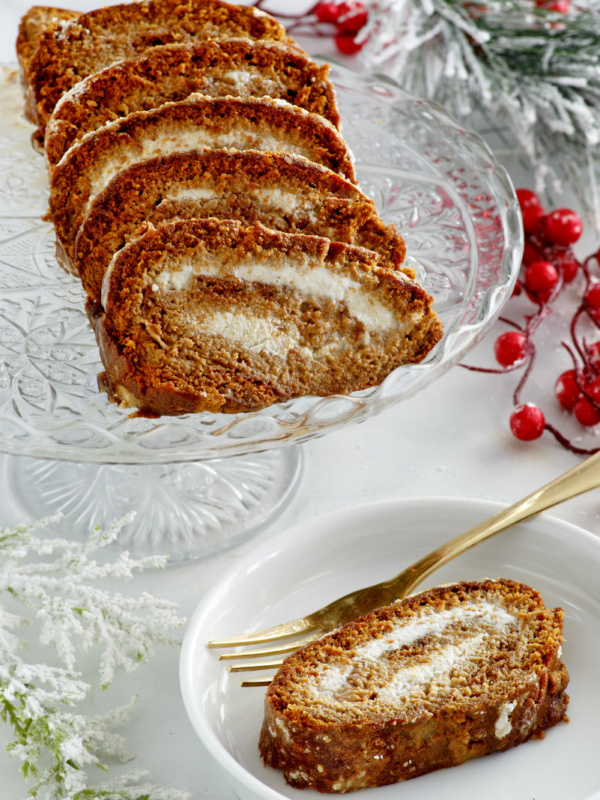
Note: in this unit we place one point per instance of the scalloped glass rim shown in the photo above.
(440, 184)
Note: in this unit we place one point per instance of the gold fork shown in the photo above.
(581, 478)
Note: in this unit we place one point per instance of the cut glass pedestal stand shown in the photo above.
(199, 483)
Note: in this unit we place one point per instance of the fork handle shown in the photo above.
(578, 480)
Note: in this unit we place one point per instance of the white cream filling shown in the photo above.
(278, 198)
(318, 280)
(182, 195)
(254, 333)
(438, 668)
(433, 623)
(239, 77)
(287, 201)
(503, 724)
(332, 679)
(283, 728)
(262, 334)
(242, 80)
(174, 279)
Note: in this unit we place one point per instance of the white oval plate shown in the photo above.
(301, 569)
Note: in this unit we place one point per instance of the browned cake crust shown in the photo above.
(211, 315)
(34, 23)
(237, 67)
(282, 191)
(444, 676)
(249, 123)
(96, 40)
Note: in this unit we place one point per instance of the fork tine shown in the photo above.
(284, 631)
(268, 651)
(257, 681)
(253, 666)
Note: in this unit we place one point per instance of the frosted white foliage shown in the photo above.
(55, 581)
(526, 67)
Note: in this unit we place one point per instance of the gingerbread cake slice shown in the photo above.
(284, 192)
(222, 122)
(212, 315)
(434, 680)
(236, 67)
(95, 40)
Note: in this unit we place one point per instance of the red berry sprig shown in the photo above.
(342, 20)
(549, 263)
(348, 19)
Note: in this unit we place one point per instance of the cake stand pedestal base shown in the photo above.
(183, 510)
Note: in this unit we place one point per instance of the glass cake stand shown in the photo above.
(203, 482)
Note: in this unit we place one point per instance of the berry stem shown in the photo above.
(568, 444)
(524, 377)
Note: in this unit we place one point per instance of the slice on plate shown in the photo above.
(284, 192)
(434, 680)
(222, 122)
(236, 67)
(78, 48)
(212, 315)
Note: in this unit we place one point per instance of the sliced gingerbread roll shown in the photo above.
(212, 315)
(95, 40)
(432, 681)
(284, 192)
(235, 67)
(229, 122)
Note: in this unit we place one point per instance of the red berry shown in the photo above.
(353, 16)
(527, 198)
(566, 390)
(593, 389)
(560, 6)
(563, 227)
(510, 347)
(328, 12)
(531, 210)
(586, 412)
(592, 299)
(569, 270)
(567, 265)
(533, 218)
(592, 296)
(475, 8)
(347, 45)
(527, 422)
(593, 353)
(540, 279)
